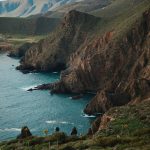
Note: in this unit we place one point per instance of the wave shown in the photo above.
(51, 122)
(58, 122)
(10, 130)
(28, 87)
(88, 116)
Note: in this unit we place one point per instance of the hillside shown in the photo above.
(27, 26)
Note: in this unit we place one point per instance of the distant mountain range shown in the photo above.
(42, 15)
(24, 8)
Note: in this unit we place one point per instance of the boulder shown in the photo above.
(25, 133)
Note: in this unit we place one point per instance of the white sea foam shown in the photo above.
(51, 122)
(88, 116)
(58, 122)
(10, 130)
(28, 87)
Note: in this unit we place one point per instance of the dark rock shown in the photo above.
(104, 100)
(74, 131)
(30, 90)
(25, 132)
(90, 132)
(57, 129)
(25, 69)
(95, 125)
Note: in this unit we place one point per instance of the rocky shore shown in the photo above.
(125, 127)
(21, 50)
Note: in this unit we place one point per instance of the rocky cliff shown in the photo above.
(52, 53)
(118, 68)
(125, 71)
(115, 65)
(109, 59)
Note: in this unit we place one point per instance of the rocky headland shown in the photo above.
(53, 53)
(114, 63)
(109, 56)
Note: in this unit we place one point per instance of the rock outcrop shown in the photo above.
(21, 50)
(53, 53)
(25, 132)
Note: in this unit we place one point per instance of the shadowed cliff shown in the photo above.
(52, 53)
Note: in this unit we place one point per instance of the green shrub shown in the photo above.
(141, 132)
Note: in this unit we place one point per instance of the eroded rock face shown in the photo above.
(21, 50)
(118, 69)
(52, 53)
(104, 100)
(114, 65)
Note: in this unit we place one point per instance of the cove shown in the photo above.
(38, 109)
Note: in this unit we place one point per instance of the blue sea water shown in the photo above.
(38, 109)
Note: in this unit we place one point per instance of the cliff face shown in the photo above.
(113, 63)
(118, 68)
(21, 50)
(53, 52)
(127, 70)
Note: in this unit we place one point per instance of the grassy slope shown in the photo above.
(14, 41)
(120, 14)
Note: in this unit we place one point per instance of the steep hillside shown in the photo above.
(53, 53)
(28, 26)
(94, 66)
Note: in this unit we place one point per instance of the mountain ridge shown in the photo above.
(24, 8)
